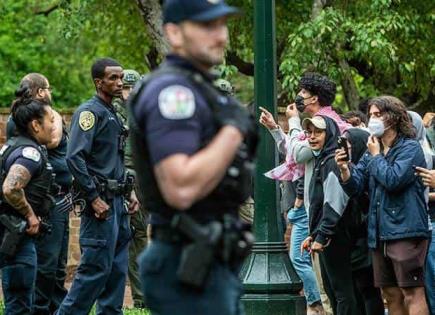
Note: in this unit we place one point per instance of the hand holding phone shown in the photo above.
(342, 144)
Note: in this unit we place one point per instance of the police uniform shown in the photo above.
(52, 248)
(95, 158)
(171, 114)
(138, 220)
(19, 270)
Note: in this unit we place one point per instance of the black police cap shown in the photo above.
(176, 11)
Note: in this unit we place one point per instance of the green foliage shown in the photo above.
(389, 45)
(63, 44)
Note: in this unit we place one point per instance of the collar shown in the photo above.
(102, 102)
(179, 61)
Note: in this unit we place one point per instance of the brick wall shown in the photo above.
(74, 250)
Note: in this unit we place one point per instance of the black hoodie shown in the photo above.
(327, 199)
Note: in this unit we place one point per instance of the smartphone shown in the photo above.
(342, 144)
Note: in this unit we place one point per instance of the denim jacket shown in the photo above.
(398, 208)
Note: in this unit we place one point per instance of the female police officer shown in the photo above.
(25, 188)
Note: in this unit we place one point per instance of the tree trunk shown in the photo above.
(151, 12)
(348, 85)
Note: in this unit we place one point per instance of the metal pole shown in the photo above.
(270, 282)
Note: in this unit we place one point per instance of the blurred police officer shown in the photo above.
(26, 183)
(191, 145)
(52, 248)
(138, 220)
(95, 156)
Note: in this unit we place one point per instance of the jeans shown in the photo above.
(52, 252)
(18, 279)
(302, 263)
(102, 272)
(166, 295)
(430, 274)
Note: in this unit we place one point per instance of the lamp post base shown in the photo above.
(270, 282)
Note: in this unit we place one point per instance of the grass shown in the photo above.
(127, 311)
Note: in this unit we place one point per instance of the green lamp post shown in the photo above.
(270, 282)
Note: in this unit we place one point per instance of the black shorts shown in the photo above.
(400, 263)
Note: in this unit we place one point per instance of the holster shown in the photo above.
(224, 241)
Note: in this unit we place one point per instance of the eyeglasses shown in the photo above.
(48, 88)
(316, 132)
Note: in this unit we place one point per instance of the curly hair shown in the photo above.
(395, 114)
(319, 85)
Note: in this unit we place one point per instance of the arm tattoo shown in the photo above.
(13, 188)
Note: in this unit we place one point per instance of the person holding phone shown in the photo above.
(398, 227)
(369, 299)
(328, 217)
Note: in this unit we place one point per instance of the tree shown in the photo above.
(369, 47)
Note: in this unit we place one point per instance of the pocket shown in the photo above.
(394, 216)
(95, 255)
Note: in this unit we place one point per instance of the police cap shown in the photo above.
(130, 77)
(176, 11)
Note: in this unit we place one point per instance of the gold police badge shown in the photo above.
(86, 120)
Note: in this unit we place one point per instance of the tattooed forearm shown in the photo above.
(18, 177)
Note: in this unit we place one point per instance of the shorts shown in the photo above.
(400, 263)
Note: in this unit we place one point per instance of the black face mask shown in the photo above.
(299, 101)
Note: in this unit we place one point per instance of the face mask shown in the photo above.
(299, 101)
(316, 152)
(376, 127)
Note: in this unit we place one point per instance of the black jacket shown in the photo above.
(328, 201)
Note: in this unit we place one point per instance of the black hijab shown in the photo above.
(332, 133)
(358, 138)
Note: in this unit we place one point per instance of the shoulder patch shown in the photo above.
(31, 154)
(176, 102)
(86, 120)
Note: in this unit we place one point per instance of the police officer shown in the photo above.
(95, 156)
(139, 220)
(187, 139)
(27, 177)
(52, 248)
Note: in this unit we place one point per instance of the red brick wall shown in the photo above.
(74, 250)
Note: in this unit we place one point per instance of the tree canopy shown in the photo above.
(369, 47)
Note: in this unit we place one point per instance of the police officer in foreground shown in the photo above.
(52, 248)
(95, 156)
(193, 149)
(139, 220)
(26, 182)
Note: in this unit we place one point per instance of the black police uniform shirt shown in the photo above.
(56, 156)
(29, 157)
(93, 148)
(174, 116)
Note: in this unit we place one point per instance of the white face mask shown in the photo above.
(316, 152)
(376, 127)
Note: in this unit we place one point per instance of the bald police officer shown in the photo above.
(193, 149)
(138, 220)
